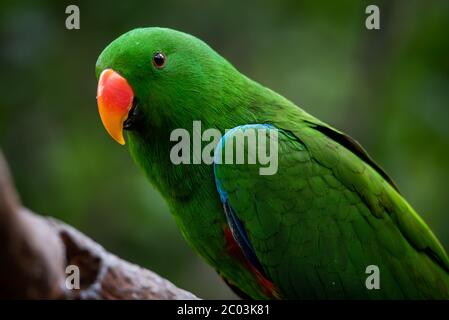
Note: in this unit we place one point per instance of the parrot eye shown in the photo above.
(159, 60)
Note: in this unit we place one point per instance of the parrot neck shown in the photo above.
(246, 102)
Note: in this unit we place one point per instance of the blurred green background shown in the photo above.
(389, 89)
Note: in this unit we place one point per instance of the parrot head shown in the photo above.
(155, 78)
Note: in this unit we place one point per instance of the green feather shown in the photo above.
(345, 218)
(316, 225)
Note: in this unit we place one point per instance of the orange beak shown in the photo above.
(115, 99)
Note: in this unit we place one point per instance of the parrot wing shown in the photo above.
(327, 214)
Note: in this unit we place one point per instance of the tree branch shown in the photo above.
(35, 250)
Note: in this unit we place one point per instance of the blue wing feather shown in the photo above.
(238, 231)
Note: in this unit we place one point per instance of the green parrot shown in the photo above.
(328, 224)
